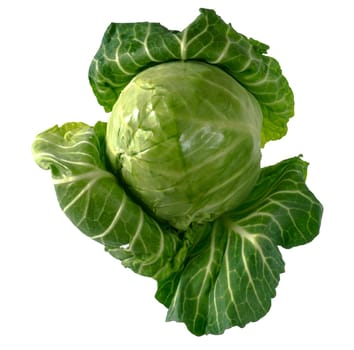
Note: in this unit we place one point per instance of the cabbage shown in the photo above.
(171, 184)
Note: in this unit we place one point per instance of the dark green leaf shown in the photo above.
(282, 205)
(229, 279)
(129, 48)
(233, 265)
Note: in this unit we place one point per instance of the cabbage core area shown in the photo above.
(185, 138)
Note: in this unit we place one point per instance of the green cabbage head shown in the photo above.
(171, 184)
(186, 137)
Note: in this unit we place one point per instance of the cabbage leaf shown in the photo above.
(232, 270)
(128, 48)
(94, 201)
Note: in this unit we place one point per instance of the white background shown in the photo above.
(60, 290)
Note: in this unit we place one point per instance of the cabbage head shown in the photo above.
(185, 137)
(171, 183)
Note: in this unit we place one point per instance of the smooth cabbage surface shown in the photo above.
(185, 138)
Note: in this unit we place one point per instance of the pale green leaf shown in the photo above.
(95, 202)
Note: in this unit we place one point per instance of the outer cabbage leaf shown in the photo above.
(229, 279)
(233, 267)
(285, 207)
(95, 202)
(128, 48)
